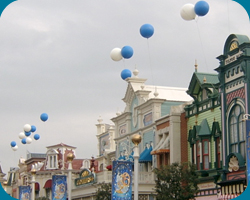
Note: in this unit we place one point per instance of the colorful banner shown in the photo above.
(248, 149)
(59, 187)
(24, 193)
(122, 180)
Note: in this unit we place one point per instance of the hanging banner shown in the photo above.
(248, 149)
(24, 193)
(122, 180)
(59, 187)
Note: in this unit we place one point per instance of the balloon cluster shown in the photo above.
(117, 54)
(127, 52)
(189, 11)
(27, 130)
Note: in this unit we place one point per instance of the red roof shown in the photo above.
(48, 184)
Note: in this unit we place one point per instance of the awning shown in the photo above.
(163, 147)
(37, 186)
(145, 155)
(48, 184)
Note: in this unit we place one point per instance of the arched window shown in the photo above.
(237, 131)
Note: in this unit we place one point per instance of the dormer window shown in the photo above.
(52, 160)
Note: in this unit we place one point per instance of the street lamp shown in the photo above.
(33, 181)
(70, 158)
(136, 139)
(5, 183)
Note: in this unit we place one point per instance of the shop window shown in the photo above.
(218, 152)
(198, 148)
(205, 154)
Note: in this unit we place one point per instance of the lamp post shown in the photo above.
(5, 186)
(70, 158)
(33, 181)
(136, 139)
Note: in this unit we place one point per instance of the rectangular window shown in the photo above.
(218, 152)
(205, 153)
(198, 155)
(54, 162)
(51, 162)
(193, 160)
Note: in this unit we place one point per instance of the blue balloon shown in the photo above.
(23, 140)
(27, 133)
(44, 117)
(127, 52)
(13, 144)
(147, 30)
(33, 128)
(201, 8)
(36, 136)
(126, 73)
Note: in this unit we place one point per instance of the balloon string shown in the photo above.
(202, 45)
(149, 59)
(123, 60)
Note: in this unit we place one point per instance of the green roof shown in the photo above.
(210, 78)
(204, 130)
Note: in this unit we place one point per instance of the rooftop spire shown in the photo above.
(196, 66)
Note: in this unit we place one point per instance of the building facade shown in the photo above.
(204, 132)
(234, 76)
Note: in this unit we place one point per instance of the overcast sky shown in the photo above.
(55, 58)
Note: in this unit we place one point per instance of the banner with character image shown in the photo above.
(122, 180)
(59, 187)
(24, 193)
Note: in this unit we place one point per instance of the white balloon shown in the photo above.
(187, 12)
(22, 135)
(115, 54)
(15, 148)
(28, 140)
(27, 128)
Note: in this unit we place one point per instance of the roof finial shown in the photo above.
(196, 66)
(100, 119)
(204, 79)
(136, 72)
(156, 93)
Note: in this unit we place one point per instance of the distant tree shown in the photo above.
(176, 182)
(104, 191)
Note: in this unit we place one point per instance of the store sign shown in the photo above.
(233, 58)
(86, 178)
(248, 149)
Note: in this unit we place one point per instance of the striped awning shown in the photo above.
(162, 147)
(145, 156)
(233, 190)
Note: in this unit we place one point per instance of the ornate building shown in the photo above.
(234, 76)
(204, 134)
(147, 107)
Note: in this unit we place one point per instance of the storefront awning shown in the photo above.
(48, 184)
(37, 186)
(164, 147)
(145, 155)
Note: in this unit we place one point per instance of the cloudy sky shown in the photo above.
(55, 58)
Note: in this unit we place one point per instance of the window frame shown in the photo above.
(204, 155)
(236, 127)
